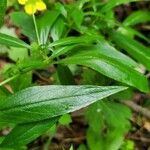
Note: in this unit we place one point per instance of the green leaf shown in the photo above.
(77, 16)
(22, 81)
(92, 77)
(107, 66)
(18, 54)
(62, 50)
(65, 119)
(82, 147)
(61, 8)
(109, 51)
(127, 30)
(117, 130)
(106, 117)
(3, 5)
(31, 64)
(25, 22)
(71, 148)
(4, 93)
(133, 47)
(65, 75)
(25, 133)
(113, 3)
(136, 17)
(12, 41)
(43, 102)
(102, 47)
(73, 40)
(58, 29)
(45, 24)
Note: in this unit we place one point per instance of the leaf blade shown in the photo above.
(12, 41)
(25, 133)
(133, 47)
(43, 102)
(136, 17)
(109, 67)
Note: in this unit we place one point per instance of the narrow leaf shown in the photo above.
(109, 67)
(136, 17)
(133, 47)
(65, 75)
(73, 40)
(25, 133)
(45, 24)
(43, 102)
(12, 41)
(113, 3)
(108, 50)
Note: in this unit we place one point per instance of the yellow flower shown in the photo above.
(30, 9)
(31, 6)
(40, 5)
(22, 2)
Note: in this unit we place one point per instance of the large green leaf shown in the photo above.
(137, 17)
(12, 41)
(43, 102)
(133, 47)
(107, 66)
(25, 133)
(102, 47)
(3, 5)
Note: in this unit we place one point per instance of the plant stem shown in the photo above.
(8, 80)
(36, 29)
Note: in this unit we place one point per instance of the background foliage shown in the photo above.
(66, 58)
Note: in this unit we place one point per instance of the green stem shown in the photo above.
(8, 80)
(27, 69)
(36, 29)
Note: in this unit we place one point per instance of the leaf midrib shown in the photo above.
(33, 103)
(19, 43)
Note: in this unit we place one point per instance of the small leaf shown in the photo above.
(106, 116)
(133, 47)
(109, 51)
(58, 29)
(136, 17)
(65, 119)
(25, 23)
(73, 40)
(62, 50)
(43, 102)
(45, 24)
(77, 16)
(65, 75)
(129, 31)
(12, 41)
(25, 133)
(113, 3)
